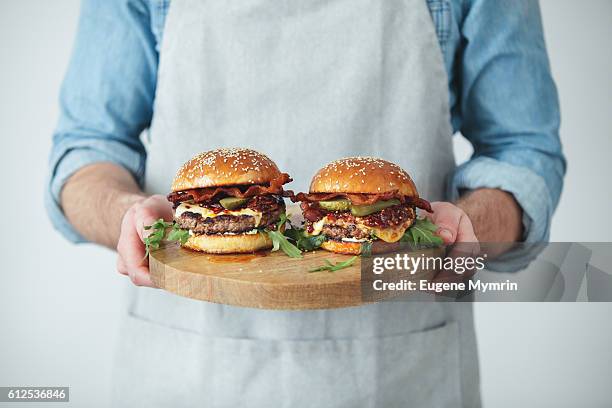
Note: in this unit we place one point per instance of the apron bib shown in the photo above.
(305, 82)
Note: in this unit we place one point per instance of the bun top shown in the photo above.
(225, 167)
(362, 175)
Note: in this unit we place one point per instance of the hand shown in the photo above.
(454, 226)
(131, 250)
(481, 217)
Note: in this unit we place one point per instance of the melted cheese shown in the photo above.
(318, 226)
(392, 234)
(207, 213)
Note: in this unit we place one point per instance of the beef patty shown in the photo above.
(342, 224)
(236, 224)
(337, 232)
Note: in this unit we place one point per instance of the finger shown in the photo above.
(150, 211)
(467, 243)
(140, 276)
(447, 217)
(465, 232)
(143, 217)
(121, 268)
(130, 247)
(163, 206)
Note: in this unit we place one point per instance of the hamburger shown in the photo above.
(227, 199)
(357, 202)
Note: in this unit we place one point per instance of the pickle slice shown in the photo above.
(231, 203)
(335, 205)
(363, 210)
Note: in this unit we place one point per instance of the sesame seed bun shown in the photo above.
(229, 244)
(362, 175)
(225, 167)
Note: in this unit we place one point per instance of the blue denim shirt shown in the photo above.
(502, 97)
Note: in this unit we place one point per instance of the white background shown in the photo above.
(58, 324)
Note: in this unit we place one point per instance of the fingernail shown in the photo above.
(445, 234)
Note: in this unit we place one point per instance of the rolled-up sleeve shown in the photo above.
(106, 99)
(510, 111)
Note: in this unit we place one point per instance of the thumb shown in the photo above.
(447, 218)
(152, 209)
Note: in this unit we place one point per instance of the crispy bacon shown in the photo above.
(200, 195)
(311, 211)
(363, 199)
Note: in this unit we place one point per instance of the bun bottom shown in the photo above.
(229, 244)
(342, 247)
(355, 248)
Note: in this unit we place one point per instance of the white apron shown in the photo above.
(305, 82)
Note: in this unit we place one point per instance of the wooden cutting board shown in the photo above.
(266, 280)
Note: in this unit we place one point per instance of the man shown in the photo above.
(305, 82)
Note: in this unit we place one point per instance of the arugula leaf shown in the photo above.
(312, 242)
(160, 223)
(366, 249)
(293, 234)
(156, 237)
(282, 219)
(334, 267)
(303, 241)
(178, 234)
(279, 241)
(422, 233)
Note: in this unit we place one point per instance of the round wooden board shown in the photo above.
(265, 280)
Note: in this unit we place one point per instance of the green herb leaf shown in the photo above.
(279, 241)
(366, 249)
(178, 234)
(281, 221)
(423, 233)
(331, 267)
(159, 227)
(303, 241)
(293, 234)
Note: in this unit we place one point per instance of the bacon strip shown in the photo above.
(363, 199)
(199, 195)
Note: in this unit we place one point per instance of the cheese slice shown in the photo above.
(318, 226)
(208, 213)
(390, 234)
